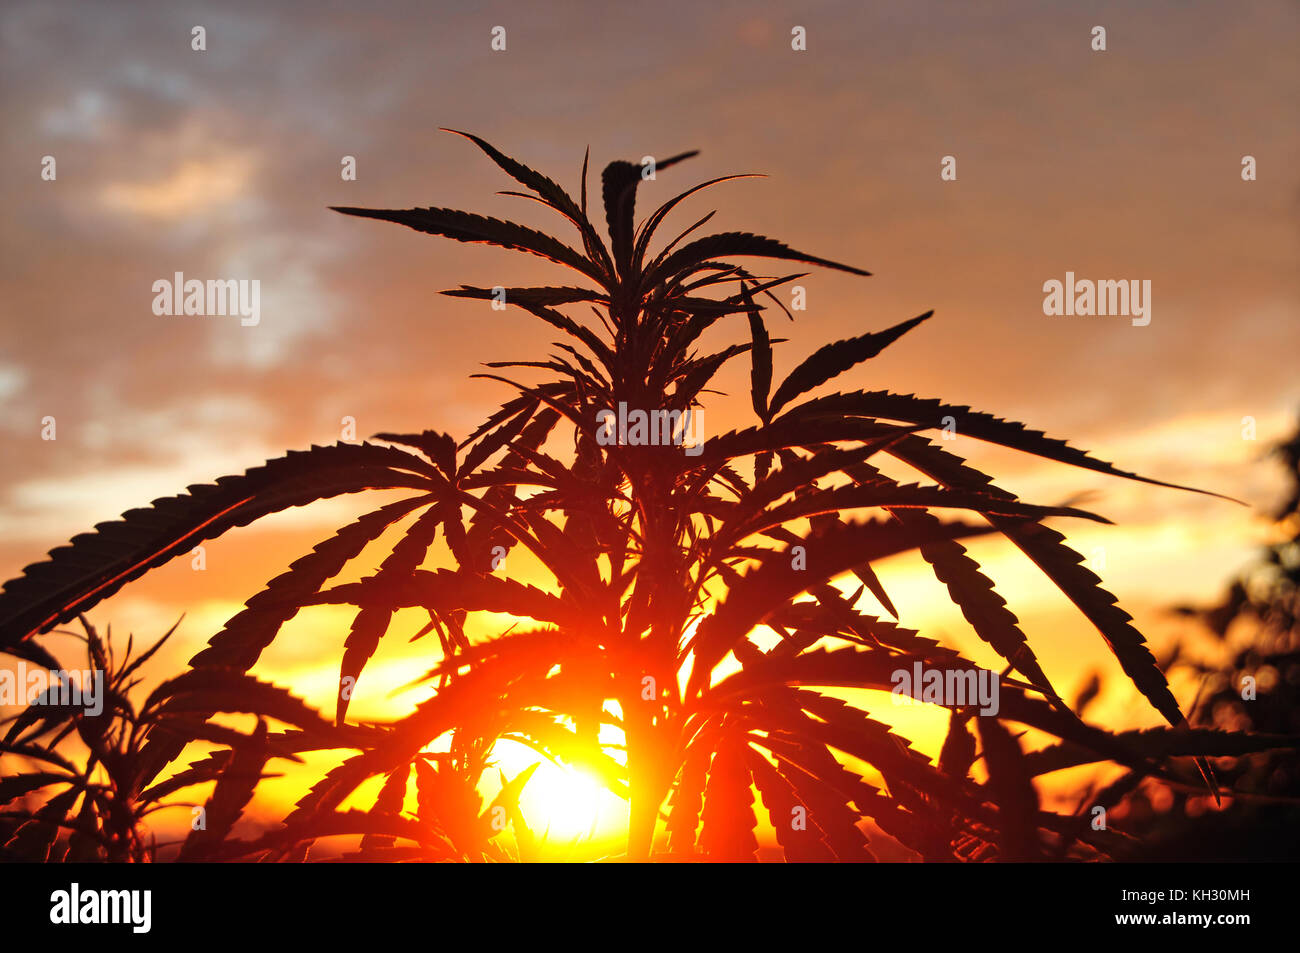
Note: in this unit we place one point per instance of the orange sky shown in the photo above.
(1116, 164)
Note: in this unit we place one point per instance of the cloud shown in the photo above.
(222, 163)
(195, 186)
(11, 380)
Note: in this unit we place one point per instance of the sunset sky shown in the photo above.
(1122, 164)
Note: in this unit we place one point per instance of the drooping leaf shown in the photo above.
(761, 373)
(1013, 791)
(468, 227)
(834, 359)
(389, 802)
(243, 638)
(728, 244)
(958, 752)
(799, 836)
(619, 183)
(229, 798)
(550, 193)
(35, 839)
(727, 828)
(95, 565)
(372, 621)
(829, 553)
(969, 423)
(1048, 550)
(979, 602)
(529, 297)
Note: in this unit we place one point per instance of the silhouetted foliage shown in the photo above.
(690, 603)
(1254, 686)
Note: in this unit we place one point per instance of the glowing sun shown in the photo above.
(562, 804)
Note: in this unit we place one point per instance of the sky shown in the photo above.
(1123, 163)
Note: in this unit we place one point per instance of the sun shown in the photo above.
(562, 804)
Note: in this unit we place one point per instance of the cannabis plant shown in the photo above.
(707, 604)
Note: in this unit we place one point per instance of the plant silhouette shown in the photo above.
(670, 568)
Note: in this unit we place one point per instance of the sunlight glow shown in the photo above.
(561, 803)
